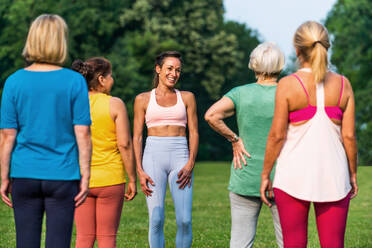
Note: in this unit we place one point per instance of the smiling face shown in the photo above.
(169, 72)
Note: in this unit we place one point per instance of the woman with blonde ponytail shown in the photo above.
(312, 138)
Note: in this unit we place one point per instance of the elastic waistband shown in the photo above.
(155, 143)
(166, 138)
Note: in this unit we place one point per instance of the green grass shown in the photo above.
(211, 215)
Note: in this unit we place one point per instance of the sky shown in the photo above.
(277, 20)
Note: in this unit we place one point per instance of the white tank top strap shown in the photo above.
(320, 96)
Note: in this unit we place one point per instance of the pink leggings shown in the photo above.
(99, 216)
(330, 220)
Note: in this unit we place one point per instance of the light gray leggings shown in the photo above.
(244, 216)
(163, 158)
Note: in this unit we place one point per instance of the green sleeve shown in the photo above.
(234, 96)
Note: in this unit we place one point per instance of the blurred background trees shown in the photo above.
(350, 23)
(215, 51)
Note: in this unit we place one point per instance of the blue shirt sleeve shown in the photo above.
(8, 108)
(234, 96)
(80, 103)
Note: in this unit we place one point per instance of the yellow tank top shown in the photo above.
(107, 166)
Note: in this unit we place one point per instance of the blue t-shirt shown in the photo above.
(44, 106)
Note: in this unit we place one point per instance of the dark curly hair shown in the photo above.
(91, 69)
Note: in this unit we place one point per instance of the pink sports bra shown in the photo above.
(333, 112)
(157, 115)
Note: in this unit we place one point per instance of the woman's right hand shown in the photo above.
(5, 190)
(239, 152)
(266, 187)
(144, 179)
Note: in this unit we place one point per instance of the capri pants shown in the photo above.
(330, 220)
(163, 158)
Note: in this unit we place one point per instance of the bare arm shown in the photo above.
(185, 174)
(349, 138)
(124, 143)
(217, 112)
(8, 137)
(214, 116)
(139, 120)
(192, 122)
(275, 139)
(84, 143)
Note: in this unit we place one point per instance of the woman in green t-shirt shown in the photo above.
(253, 105)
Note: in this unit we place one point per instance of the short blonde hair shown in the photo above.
(312, 42)
(46, 40)
(266, 60)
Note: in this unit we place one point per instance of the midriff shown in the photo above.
(166, 131)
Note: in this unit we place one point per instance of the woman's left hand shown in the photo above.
(354, 186)
(131, 191)
(238, 154)
(185, 176)
(84, 190)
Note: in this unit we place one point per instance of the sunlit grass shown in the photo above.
(211, 215)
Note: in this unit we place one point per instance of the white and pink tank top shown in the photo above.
(157, 115)
(312, 164)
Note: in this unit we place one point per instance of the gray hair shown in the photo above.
(266, 60)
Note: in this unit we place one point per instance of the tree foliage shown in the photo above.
(349, 23)
(131, 33)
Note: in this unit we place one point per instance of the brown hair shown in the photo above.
(159, 61)
(92, 69)
(312, 41)
(46, 40)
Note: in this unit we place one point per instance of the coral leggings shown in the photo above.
(99, 216)
(330, 219)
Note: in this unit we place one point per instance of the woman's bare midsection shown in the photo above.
(166, 130)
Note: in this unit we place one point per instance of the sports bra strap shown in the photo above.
(342, 88)
(307, 95)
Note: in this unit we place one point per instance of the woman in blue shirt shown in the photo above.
(46, 145)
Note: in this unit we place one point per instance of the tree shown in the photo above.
(349, 23)
(131, 33)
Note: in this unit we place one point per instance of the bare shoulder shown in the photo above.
(187, 96)
(333, 76)
(287, 83)
(348, 89)
(287, 79)
(117, 102)
(336, 78)
(143, 98)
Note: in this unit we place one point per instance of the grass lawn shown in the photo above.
(211, 215)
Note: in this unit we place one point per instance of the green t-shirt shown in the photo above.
(254, 108)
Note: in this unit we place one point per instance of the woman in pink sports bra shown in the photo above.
(312, 138)
(167, 158)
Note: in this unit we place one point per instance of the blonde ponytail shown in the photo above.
(312, 42)
(319, 62)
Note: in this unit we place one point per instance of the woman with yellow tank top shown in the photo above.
(112, 159)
